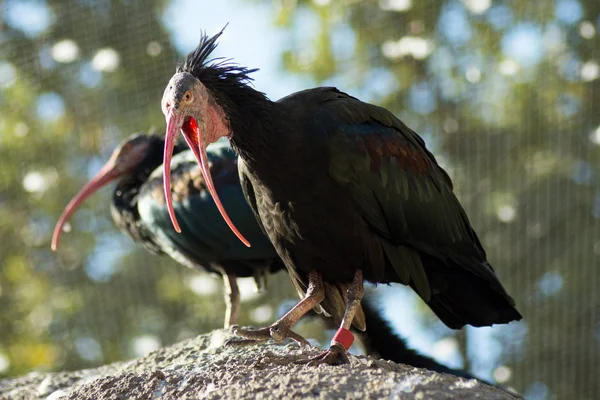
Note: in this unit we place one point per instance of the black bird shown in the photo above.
(138, 209)
(344, 190)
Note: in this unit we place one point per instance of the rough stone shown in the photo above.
(204, 368)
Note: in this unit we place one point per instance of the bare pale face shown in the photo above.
(124, 160)
(189, 107)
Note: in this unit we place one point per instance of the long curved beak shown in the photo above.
(107, 174)
(193, 137)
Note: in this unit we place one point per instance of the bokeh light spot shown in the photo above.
(4, 363)
(153, 49)
(590, 71)
(477, 6)
(144, 344)
(203, 285)
(537, 391)
(454, 23)
(550, 283)
(502, 374)
(21, 129)
(421, 98)
(89, 76)
(262, 314)
(30, 17)
(38, 182)
(500, 16)
(508, 67)
(568, 11)
(595, 136)
(473, 74)
(581, 172)
(523, 43)
(248, 290)
(506, 213)
(106, 60)
(8, 75)
(65, 51)
(88, 348)
(50, 107)
(395, 5)
(587, 30)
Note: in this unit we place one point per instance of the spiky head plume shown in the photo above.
(215, 73)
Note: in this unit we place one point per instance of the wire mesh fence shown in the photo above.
(505, 93)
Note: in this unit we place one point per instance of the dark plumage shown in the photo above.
(205, 239)
(345, 191)
(138, 209)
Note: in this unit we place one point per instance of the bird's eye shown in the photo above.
(187, 96)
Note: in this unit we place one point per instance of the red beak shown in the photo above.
(193, 137)
(107, 174)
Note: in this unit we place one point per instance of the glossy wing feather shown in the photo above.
(205, 237)
(407, 200)
(250, 197)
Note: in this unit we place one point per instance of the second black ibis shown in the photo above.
(344, 190)
(138, 209)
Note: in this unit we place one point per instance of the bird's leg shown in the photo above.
(232, 299)
(341, 342)
(281, 329)
(260, 278)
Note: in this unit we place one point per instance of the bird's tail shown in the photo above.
(460, 297)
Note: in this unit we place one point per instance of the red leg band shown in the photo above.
(344, 337)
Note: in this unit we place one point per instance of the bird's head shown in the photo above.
(125, 160)
(190, 106)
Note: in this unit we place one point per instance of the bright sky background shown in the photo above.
(250, 39)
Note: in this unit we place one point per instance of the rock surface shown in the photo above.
(202, 368)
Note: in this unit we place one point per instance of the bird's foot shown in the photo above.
(335, 355)
(278, 332)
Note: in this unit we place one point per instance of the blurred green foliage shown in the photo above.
(506, 93)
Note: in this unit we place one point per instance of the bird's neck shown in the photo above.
(128, 188)
(255, 125)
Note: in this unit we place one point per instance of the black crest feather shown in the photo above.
(214, 70)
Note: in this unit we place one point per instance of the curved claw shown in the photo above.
(336, 355)
(277, 332)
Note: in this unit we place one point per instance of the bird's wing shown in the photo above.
(248, 191)
(204, 237)
(398, 188)
(249, 195)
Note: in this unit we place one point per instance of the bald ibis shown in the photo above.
(344, 190)
(138, 209)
